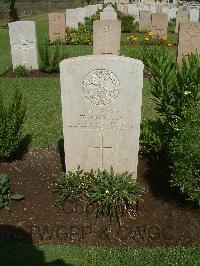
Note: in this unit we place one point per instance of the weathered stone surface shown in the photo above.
(133, 10)
(56, 27)
(108, 14)
(189, 39)
(152, 8)
(172, 12)
(101, 109)
(159, 23)
(194, 14)
(159, 8)
(80, 15)
(125, 9)
(181, 16)
(106, 37)
(90, 10)
(145, 21)
(23, 44)
(72, 18)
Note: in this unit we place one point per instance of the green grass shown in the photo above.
(41, 21)
(37, 255)
(44, 123)
(43, 120)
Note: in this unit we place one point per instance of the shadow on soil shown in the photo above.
(158, 181)
(16, 249)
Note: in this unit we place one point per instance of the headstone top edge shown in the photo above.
(22, 21)
(102, 57)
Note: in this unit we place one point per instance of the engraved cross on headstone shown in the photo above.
(102, 148)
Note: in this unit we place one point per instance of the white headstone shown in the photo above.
(172, 12)
(72, 18)
(106, 37)
(133, 11)
(109, 1)
(145, 8)
(181, 16)
(90, 10)
(189, 39)
(80, 15)
(101, 109)
(194, 14)
(23, 44)
(108, 14)
(152, 8)
(120, 7)
(145, 21)
(165, 10)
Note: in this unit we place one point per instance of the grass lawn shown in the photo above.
(42, 96)
(44, 123)
(43, 120)
(30, 255)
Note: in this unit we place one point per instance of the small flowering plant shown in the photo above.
(132, 39)
(109, 192)
(149, 39)
(155, 39)
(80, 36)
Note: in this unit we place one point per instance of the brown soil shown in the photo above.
(33, 73)
(161, 219)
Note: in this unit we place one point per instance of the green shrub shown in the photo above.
(51, 56)
(74, 186)
(128, 23)
(80, 36)
(5, 195)
(175, 90)
(150, 142)
(152, 56)
(21, 71)
(11, 122)
(185, 157)
(112, 193)
(89, 21)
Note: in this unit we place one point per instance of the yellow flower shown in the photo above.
(150, 33)
(164, 38)
(146, 38)
(169, 45)
(134, 39)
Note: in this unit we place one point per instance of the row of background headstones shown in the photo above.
(108, 134)
(75, 16)
(24, 48)
(100, 129)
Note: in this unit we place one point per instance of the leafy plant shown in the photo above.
(50, 56)
(110, 192)
(74, 186)
(21, 71)
(150, 142)
(113, 193)
(11, 123)
(80, 36)
(185, 157)
(175, 90)
(128, 23)
(5, 195)
(152, 56)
